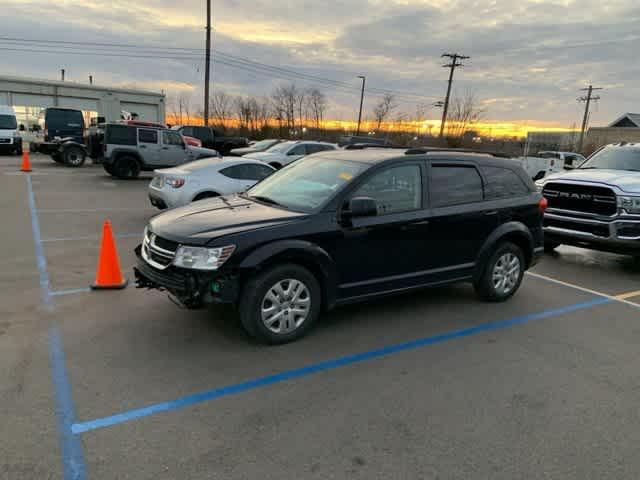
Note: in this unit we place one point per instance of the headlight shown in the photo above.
(175, 182)
(630, 204)
(540, 185)
(202, 258)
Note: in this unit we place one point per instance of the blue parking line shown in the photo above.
(45, 288)
(189, 400)
(73, 464)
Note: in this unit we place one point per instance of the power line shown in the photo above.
(452, 66)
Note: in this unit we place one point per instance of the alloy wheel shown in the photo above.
(285, 306)
(506, 273)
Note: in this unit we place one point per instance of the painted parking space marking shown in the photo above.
(186, 401)
(613, 298)
(624, 296)
(45, 288)
(70, 291)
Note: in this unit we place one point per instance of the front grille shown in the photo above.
(158, 251)
(629, 229)
(171, 278)
(581, 198)
(5, 140)
(594, 229)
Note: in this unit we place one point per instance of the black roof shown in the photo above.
(377, 155)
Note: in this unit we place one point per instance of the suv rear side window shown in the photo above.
(203, 133)
(172, 138)
(455, 185)
(120, 135)
(147, 136)
(502, 183)
(397, 189)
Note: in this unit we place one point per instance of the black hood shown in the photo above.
(205, 220)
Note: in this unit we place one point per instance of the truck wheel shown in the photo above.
(108, 167)
(126, 167)
(74, 157)
(280, 304)
(502, 274)
(550, 247)
(57, 157)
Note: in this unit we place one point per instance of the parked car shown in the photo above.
(597, 205)
(212, 138)
(346, 226)
(58, 123)
(10, 139)
(130, 149)
(569, 159)
(284, 153)
(539, 167)
(255, 147)
(207, 178)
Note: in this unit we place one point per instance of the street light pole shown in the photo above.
(207, 61)
(364, 79)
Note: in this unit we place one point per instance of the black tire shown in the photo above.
(74, 157)
(108, 167)
(550, 247)
(126, 167)
(56, 157)
(276, 165)
(253, 298)
(203, 195)
(19, 150)
(485, 285)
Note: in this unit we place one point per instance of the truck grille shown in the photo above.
(581, 198)
(5, 140)
(157, 251)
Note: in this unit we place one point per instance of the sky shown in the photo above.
(529, 58)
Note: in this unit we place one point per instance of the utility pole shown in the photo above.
(587, 99)
(364, 79)
(62, 74)
(455, 57)
(207, 61)
(90, 79)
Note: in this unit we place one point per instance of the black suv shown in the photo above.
(339, 227)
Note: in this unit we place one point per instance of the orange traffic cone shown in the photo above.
(108, 275)
(26, 164)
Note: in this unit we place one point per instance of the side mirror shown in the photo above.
(362, 207)
(569, 167)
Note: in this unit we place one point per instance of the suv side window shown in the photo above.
(120, 135)
(455, 185)
(502, 183)
(203, 133)
(396, 189)
(172, 138)
(147, 136)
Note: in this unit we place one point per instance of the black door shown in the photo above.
(387, 251)
(204, 135)
(461, 221)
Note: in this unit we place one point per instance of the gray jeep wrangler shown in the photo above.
(130, 149)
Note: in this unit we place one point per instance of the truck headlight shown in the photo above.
(202, 258)
(630, 204)
(540, 185)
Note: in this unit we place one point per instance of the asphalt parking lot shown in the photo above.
(435, 384)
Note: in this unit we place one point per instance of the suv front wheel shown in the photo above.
(280, 304)
(502, 273)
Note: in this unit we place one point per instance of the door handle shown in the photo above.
(491, 212)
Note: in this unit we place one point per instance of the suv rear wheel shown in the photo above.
(502, 274)
(280, 304)
(126, 167)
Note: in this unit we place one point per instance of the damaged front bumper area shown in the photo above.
(191, 288)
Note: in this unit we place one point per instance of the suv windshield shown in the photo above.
(306, 184)
(615, 158)
(8, 122)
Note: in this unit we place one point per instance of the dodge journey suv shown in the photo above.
(340, 227)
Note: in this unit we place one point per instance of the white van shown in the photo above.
(10, 140)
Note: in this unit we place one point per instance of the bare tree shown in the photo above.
(284, 99)
(316, 106)
(185, 107)
(464, 112)
(221, 107)
(243, 111)
(259, 113)
(382, 110)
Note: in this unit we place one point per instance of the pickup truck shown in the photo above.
(596, 205)
(212, 138)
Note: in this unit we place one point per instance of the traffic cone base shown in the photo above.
(26, 164)
(108, 275)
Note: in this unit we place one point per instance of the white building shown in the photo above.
(28, 96)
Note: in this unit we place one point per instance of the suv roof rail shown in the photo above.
(424, 150)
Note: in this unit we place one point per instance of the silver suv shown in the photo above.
(130, 149)
(596, 205)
